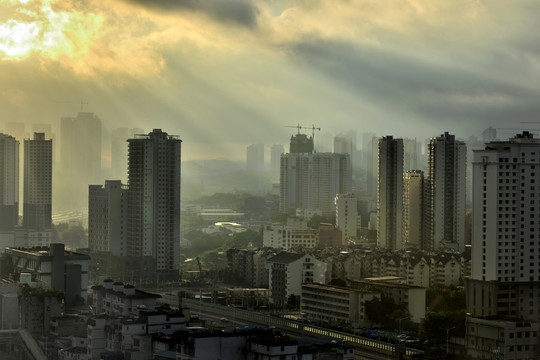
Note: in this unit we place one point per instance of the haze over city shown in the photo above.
(225, 74)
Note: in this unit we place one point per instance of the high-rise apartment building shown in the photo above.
(255, 157)
(347, 215)
(107, 218)
(275, 156)
(311, 181)
(80, 156)
(301, 144)
(119, 151)
(154, 199)
(445, 193)
(503, 292)
(372, 166)
(390, 193)
(343, 145)
(37, 201)
(9, 182)
(413, 209)
(410, 155)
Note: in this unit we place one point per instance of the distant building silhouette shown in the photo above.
(490, 134)
(312, 180)
(80, 156)
(372, 166)
(275, 155)
(410, 154)
(9, 182)
(255, 157)
(37, 206)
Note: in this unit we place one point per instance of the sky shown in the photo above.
(223, 74)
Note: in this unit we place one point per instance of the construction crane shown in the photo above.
(299, 127)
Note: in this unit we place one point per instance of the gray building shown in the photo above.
(107, 218)
(255, 157)
(37, 206)
(312, 181)
(446, 193)
(154, 200)
(390, 193)
(9, 182)
(80, 156)
(275, 155)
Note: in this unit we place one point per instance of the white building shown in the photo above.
(336, 305)
(115, 298)
(285, 237)
(154, 200)
(107, 218)
(346, 215)
(288, 271)
(390, 193)
(505, 275)
(9, 182)
(446, 193)
(294, 234)
(501, 339)
(413, 209)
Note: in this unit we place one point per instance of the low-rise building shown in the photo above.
(336, 305)
(52, 266)
(502, 339)
(286, 236)
(288, 271)
(414, 297)
(115, 298)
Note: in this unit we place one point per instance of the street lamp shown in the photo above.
(447, 338)
(399, 323)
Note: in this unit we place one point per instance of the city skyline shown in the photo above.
(218, 73)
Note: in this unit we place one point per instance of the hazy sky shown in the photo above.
(226, 73)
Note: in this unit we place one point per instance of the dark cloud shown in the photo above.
(229, 11)
(423, 89)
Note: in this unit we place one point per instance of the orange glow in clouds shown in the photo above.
(50, 28)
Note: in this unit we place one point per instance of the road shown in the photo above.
(366, 348)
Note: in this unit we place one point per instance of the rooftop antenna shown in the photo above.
(82, 105)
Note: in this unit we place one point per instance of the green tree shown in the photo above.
(245, 239)
(435, 325)
(385, 311)
(441, 298)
